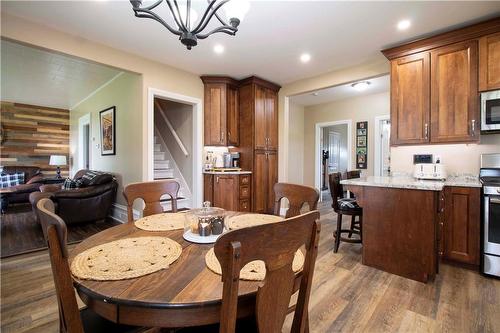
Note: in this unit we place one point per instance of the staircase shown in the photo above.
(166, 168)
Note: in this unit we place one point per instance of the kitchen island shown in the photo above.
(401, 219)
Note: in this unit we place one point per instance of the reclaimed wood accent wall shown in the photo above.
(30, 134)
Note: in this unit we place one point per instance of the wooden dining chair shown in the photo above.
(71, 319)
(297, 195)
(275, 244)
(151, 192)
(345, 206)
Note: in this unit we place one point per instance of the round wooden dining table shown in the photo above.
(185, 294)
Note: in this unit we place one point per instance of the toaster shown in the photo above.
(434, 171)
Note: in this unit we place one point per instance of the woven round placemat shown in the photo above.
(254, 270)
(162, 222)
(251, 220)
(126, 258)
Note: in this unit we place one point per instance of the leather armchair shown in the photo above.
(87, 204)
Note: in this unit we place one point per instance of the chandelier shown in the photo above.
(184, 18)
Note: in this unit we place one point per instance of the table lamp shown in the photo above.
(58, 160)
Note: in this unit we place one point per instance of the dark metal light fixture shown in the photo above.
(183, 18)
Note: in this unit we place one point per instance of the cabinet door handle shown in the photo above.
(473, 127)
(426, 131)
(228, 134)
(217, 179)
(222, 136)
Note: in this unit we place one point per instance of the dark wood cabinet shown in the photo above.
(410, 99)
(489, 62)
(266, 175)
(435, 83)
(454, 97)
(221, 114)
(228, 191)
(259, 139)
(461, 225)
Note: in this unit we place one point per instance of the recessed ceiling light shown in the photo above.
(404, 24)
(305, 57)
(219, 49)
(360, 86)
(315, 93)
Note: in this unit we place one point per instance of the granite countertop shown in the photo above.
(412, 183)
(227, 172)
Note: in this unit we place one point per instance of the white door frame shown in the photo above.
(148, 175)
(317, 148)
(82, 121)
(378, 131)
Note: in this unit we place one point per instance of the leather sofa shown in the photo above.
(33, 179)
(85, 204)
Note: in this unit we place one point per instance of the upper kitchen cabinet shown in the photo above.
(410, 99)
(454, 96)
(489, 62)
(265, 107)
(435, 88)
(221, 111)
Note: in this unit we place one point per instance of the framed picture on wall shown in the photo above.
(362, 145)
(107, 121)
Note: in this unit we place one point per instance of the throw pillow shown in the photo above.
(12, 179)
(69, 184)
(88, 177)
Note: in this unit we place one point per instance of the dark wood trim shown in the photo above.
(458, 35)
(219, 79)
(261, 82)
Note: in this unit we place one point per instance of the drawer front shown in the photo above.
(245, 180)
(244, 192)
(244, 205)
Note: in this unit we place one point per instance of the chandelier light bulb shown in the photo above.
(236, 9)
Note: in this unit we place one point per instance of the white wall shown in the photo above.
(296, 144)
(363, 108)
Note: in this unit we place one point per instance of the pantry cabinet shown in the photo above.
(221, 114)
(265, 174)
(489, 62)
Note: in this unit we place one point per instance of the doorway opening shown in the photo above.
(333, 150)
(382, 146)
(84, 149)
(174, 144)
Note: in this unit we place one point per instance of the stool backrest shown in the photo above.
(336, 189)
(353, 174)
(275, 244)
(297, 195)
(56, 236)
(151, 192)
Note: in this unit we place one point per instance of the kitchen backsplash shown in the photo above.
(460, 159)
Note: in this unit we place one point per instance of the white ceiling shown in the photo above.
(38, 77)
(271, 38)
(377, 85)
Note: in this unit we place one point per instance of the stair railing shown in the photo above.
(171, 128)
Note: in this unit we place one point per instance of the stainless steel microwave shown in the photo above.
(490, 111)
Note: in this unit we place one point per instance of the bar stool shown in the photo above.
(345, 206)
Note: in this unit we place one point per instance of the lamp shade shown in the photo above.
(57, 160)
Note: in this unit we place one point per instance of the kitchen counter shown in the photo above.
(412, 183)
(227, 172)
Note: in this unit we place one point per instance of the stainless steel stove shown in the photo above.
(490, 178)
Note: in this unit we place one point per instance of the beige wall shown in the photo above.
(124, 92)
(363, 108)
(458, 158)
(326, 80)
(154, 74)
(296, 144)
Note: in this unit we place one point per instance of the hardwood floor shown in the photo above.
(21, 233)
(346, 296)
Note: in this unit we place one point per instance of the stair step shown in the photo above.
(157, 147)
(159, 156)
(162, 164)
(163, 173)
